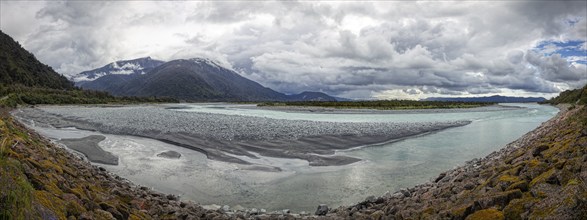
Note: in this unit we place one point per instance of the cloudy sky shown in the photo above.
(391, 49)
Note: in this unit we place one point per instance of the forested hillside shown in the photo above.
(18, 66)
(25, 80)
(576, 96)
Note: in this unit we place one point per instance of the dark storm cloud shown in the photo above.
(351, 49)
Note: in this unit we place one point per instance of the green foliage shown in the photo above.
(11, 96)
(16, 195)
(383, 104)
(18, 66)
(25, 80)
(576, 96)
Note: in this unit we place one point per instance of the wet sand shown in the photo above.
(89, 147)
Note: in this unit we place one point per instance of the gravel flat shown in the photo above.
(216, 134)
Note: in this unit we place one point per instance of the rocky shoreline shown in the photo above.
(70, 187)
(541, 175)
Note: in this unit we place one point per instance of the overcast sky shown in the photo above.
(392, 49)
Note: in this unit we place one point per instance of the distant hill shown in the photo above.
(495, 98)
(123, 68)
(194, 79)
(18, 66)
(576, 96)
(341, 99)
(312, 96)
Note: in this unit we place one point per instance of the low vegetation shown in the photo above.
(382, 104)
(577, 96)
(13, 95)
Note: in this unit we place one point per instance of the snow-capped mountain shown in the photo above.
(124, 67)
(196, 79)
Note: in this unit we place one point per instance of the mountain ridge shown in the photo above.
(195, 79)
(121, 67)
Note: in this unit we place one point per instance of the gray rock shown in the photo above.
(238, 208)
(225, 208)
(321, 210)
(172, 197)
(169, 154)
(405, 192)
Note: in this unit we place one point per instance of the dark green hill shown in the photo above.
(576, 96)
(18, 66)
(25, 80)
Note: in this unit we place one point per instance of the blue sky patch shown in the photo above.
(573, 51)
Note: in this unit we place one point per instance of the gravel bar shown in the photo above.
(217, 134)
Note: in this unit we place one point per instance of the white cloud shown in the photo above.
(350, 49)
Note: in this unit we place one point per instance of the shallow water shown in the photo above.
(300, 187)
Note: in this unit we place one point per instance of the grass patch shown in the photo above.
(15, 191)
(486, 214)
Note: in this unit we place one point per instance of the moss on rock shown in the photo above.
(486, 214)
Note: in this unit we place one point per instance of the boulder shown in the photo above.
(321, 210)
(377, 215)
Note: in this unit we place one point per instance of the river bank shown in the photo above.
(262, 183)
(530, 177)
(542, 175)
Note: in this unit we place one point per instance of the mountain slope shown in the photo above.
(124, 67)
(18, 66)
(495, 98)
(197, 80)
(194, 79)
(110, 83)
